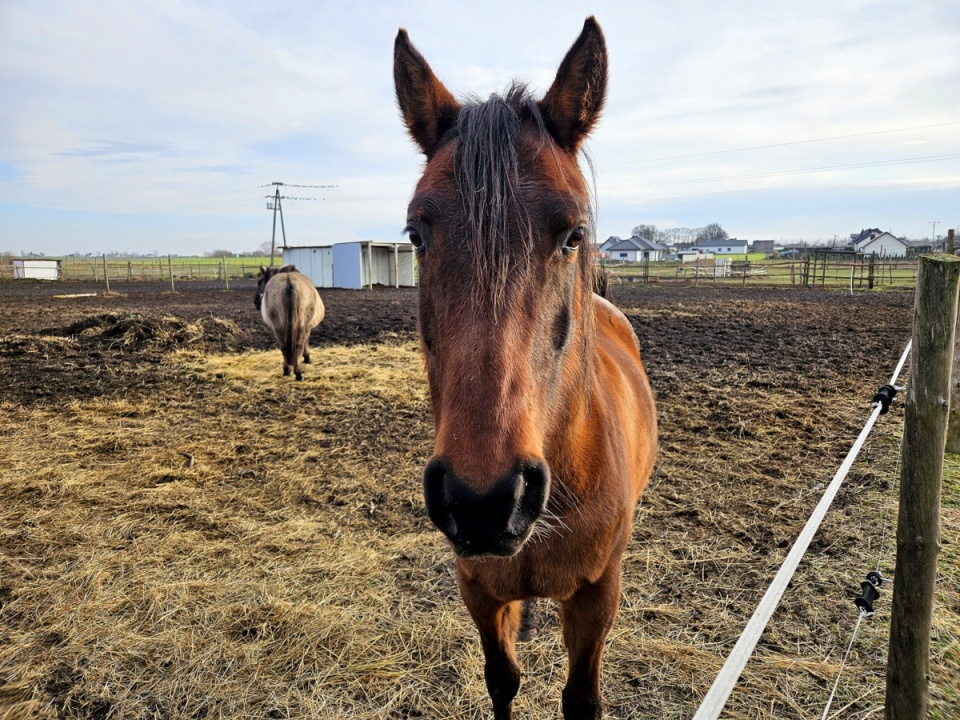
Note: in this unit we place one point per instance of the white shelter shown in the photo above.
(36, 269)
(355, 265)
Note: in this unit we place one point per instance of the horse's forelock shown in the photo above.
(487, 168)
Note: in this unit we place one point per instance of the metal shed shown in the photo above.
(355, 265)
(36, 269)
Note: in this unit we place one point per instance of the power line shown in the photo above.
(785, 144)
(800, 171)
(277, 207)
(316, 187)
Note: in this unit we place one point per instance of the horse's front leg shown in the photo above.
(587, 618)
(498, 624)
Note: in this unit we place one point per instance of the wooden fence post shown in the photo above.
(170, 271)
(918, 529)
(953, 421)
(106, 275)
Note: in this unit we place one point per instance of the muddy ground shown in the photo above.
(817, 336)
(760, 394)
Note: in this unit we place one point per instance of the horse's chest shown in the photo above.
(554, 570)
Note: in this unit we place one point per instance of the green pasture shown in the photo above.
(762, 272)
(945, 641)
(161, 268)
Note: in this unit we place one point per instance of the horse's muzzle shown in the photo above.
(494, 521)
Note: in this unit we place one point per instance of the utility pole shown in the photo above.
(933, 238)
(277, 207)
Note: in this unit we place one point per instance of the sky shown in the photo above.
(158, 127)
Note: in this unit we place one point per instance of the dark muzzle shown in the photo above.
(495, 521)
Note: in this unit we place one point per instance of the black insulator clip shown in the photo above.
(869, 593)
(884, 397)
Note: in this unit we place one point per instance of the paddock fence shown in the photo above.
(162, 269)
(815, 271)
(862, 273)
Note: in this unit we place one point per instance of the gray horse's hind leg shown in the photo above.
(529, 627)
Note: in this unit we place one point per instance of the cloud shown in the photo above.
(182, 109)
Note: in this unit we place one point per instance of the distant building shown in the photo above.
(762, 246)
(609, 243)
(694, 255)
(635, 249)
(877, 241)
(731, 246)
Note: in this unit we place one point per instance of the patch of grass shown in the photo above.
(945, 640)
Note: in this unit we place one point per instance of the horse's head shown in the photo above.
(501, 221)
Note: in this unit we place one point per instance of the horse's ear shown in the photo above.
(428, 108)
(263, 270)
(573, 103)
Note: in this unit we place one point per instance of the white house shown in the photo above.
(608, 243)
(355, 265)
(634, 249)
(881, 243)
(731, 246)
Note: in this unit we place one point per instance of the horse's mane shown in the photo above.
(488, 180)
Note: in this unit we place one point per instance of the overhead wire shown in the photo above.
(786, 144)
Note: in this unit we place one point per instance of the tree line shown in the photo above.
(671, 236)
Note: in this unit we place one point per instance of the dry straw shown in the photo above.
(233, 545)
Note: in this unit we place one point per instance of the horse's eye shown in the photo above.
(414, 237)
(574, 239)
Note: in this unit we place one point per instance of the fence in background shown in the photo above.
(102, 270)
(860, 274)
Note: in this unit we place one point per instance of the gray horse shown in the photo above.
(291, 307)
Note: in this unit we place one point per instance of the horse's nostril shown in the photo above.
(533, 482)
(435, 496)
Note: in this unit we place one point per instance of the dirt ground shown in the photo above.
(760, 395)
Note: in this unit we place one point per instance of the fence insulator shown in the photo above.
(869, 592)
(884, 397)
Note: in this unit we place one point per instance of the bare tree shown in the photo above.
(712, 233)
(647, 232)
(264, 249)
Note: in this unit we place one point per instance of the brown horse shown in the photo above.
(291, 307)
(545, 424)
